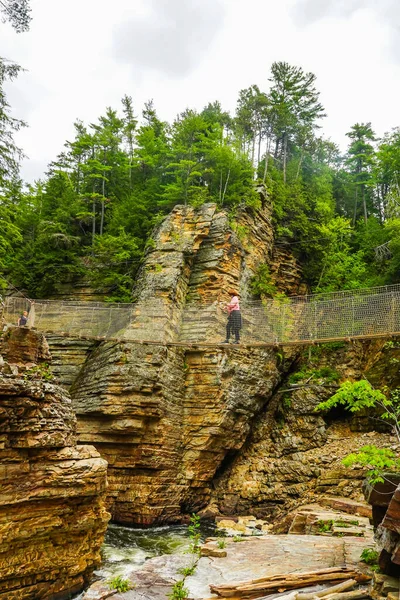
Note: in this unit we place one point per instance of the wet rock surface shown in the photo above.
(249, 559)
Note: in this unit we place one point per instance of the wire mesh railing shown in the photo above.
(321, 317)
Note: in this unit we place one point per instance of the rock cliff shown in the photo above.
(52, 511)
(167, 418)
(184, 427)
(295, 455)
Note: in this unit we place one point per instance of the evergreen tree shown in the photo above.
(360, 159)
(294, 105)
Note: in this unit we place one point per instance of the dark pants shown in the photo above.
(234, 325)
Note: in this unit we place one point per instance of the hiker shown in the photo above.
(23, 320)
(234, 323)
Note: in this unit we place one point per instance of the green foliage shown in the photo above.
(179, 591)
(325, 526)
(377, 460)
(17, 13)
(238, 538)
(41, 371)
(369, 556)
(119, 583)
(323, 375)
(187, 571)
(261, 284)
(391, 345)
(194, 534)
(221, 543)
(358, 396)
(92, 216)
(355, 396)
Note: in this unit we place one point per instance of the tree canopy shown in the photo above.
(92, 213)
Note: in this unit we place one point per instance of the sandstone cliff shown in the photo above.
(168, 418)
(52, 512)
(185, 427)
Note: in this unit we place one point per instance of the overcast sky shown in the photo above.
(83, 55)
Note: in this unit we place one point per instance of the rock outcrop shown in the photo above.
(52, 511)
(168, 418)
(184, 427)
(293, 454)
(384, 498)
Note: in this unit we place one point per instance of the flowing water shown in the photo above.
(126, 549)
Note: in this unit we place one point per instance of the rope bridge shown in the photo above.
(363, 313)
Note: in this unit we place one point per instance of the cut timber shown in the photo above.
(248, 589)
(340, 587)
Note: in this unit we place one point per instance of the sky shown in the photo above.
(81, 56)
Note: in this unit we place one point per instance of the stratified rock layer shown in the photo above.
(166, 418)
(185, 427)
(293, 454)
(52, 511)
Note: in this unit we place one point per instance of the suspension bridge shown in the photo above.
(347, 315)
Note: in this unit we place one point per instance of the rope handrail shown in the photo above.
(366, 312)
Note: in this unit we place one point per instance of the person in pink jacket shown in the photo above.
(234, 323)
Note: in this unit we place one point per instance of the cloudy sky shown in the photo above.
(83, 55)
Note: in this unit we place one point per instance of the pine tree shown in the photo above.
(294, 105)
(360, 159)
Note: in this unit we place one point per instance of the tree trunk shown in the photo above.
(259, 147)
(226, 186)
(253, 149)
(94, 215)
(364, 204)
(284, 156)
(103, 191)
(267, 158)
(355, 206)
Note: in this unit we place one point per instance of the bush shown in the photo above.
(179, 591)
(369, 556)
(119, 583)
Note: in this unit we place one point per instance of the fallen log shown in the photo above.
(354, 595)
(283, 582)
(339, 587)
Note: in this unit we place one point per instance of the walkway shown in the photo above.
(355, 314)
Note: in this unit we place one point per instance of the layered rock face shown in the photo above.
(295, 455)
(167, 418)
(52, 511)
(183, 427)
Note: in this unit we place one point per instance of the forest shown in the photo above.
(91, 215)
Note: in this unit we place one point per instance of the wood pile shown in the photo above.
(257, 588)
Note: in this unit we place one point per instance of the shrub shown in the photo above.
(179, 591)
(119, 583)
(369, 556)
